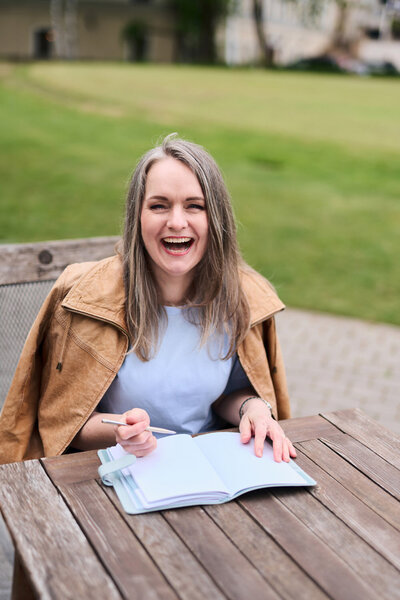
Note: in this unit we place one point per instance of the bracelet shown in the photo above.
(254, 398)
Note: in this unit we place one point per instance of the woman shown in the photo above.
(175, 329)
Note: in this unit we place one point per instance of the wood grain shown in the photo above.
(370, 566)
(46, 260)
(72, 468)
(357, 424)
(183, 571)
(338, 540)
(307, 428)
(52, 547)
(229, 568)
(323, 565)
(346, 506)
(365, 474)
(365, 460)
(115, 543)
(283, 574)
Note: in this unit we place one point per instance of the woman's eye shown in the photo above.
(157, 207)
(196, 206)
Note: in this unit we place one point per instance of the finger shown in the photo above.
(285, 449)
(277, 441)
(139, 440)
(292, 450)
(133, 447)
(245, 430)
(139, 453)
(125, 432)
(138, 419)
(135, 415)
(260, 434)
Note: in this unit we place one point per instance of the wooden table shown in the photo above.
(339, 539)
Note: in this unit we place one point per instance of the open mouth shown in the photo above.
(177, 245)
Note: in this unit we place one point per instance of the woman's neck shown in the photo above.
(174, 292)
(173, 289)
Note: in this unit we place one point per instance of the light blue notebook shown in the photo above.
(185, 471)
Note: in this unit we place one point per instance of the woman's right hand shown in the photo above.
(134, 439)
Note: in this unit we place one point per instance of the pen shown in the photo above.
(153, 429)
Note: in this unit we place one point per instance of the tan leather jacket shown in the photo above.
(77, 345)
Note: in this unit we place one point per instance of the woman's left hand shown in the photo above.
(257, 422)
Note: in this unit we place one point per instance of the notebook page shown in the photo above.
(238, 466)
(176, 468)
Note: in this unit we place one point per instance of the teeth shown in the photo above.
(174, 240)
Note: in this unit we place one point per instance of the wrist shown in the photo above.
(245, 405)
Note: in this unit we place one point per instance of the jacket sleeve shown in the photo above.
(19, 435)
(277, 368)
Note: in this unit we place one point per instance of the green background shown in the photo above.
(312, 163)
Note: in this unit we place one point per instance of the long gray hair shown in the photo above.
(216, 292)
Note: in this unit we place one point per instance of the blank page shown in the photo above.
(240, 468)
(176, 468)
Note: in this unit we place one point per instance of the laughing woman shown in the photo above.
(176, 330)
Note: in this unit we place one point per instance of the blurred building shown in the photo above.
(149, 30)
(87, 29)
(294, 33)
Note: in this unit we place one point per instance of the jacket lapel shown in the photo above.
(261, 296)
(100, 293)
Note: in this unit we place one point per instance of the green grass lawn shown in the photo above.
(312, 163)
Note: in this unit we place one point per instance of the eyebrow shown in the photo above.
(186, 199)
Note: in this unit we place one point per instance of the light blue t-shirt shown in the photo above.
(179, 384)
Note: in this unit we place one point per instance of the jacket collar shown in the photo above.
(100, 294)
(261, 296)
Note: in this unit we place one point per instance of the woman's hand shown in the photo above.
(257, 421)
(134, 439)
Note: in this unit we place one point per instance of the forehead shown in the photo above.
(169, 176)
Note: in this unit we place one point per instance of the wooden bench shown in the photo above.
(27, 273)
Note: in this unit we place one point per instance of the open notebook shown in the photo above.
(185, 471)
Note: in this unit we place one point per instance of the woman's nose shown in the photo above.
(177, 218)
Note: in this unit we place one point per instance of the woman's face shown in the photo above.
(174, 221)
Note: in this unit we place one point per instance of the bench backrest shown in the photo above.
(27, 273)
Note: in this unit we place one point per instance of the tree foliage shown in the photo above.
(196, 24)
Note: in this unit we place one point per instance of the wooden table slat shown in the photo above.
(284, 575)
(115, 543)
(307, 428)
(362, 519)
(72, 468)
(306, 548)
(373, 568)
(374, 485)
(356, 423)
(365, 460)
(180, 567)
(224, 562)
(42, 525)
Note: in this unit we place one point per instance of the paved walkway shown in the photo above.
(336, 362)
